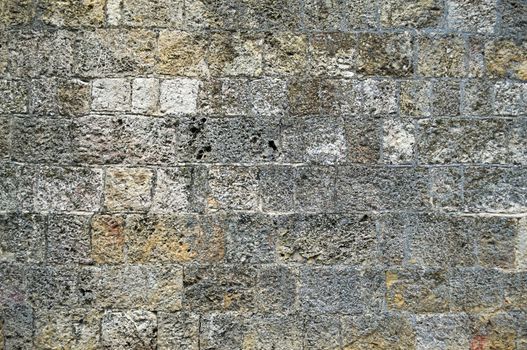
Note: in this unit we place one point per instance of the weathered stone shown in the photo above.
(472, 16)
(363, 138)
(509, 98)
(285, 54)
(207, 14)
(398, 141)
(420, 14)
(518, 141)
(16, 12)
(277, 188)
(68, 239)
(178, 96)
(446, 188)
(322, 332)
(360, 14)
(268, 96)
(379, 97)
(495, 189)
(362, 188)
(284, 15)
(225, 331)
(277, 289)
(383, 332)
(182, 53)
(115, 51)
(333, 54)
(175, 190)
(17, 189)
(416, 289)
(476, 98)
(156, 13)
(341, 290)
(220, 288)
(72, 328)
(149, 287)
(328, 239)
(107, 239)
(447, 331)
(145, 95)
(506, 58)
(171, 238)
(178, 331)
(415, 98)
(131, 329)
(385, 54)
(476, 289)
(514, 290)
(5, 138)
(50, 287)
(13, 284)
(314, 187)
(16, 326)
(323, 15)
(73, 97)
(68, 189)
(444, 141)
(441, 56)
(446, 97)
(14, 95)
(236, 54)
(513, 14)
(476, 60)
(72, 13)
(111, 95)
(233, 188)
(128, 189)
(22, 237)
(498, 330)
(497, 237)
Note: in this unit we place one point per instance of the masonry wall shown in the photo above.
(263, 174)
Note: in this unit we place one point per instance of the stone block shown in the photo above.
(235, 54)
(322, 332)
(179, 190)
(513, 14)
(446, 141)
(233, 188)
(509, 98)
(157, 13)
(505, 58)
(477, 98)
(68, 189)
(52, 287)
(178, 331)
(446, 98)
(398, 141)
(73, 97)
(446, 331)
(22, 237)
(5, 138)
(206, 14)
(514, 290)
(182, 54)
(285, 54)
(145, 95)
(414, 100)
(372, 188)
(281, 15)
(17, 187)
(379, 97)
(130, 329)
(178, 96)
(392, 239)
(128, 189)
(277, 289)
(268, 96)
(446, 188)
(497, 237)
(328, 239)
(13, 284)
(476, 289)
(14, 95)
(419, 14)
(472, 16)
(16, 326)
(363, 138)
(72, 13)
(359, 15)
(277, 188)
(113, 95)
(107, 239)
(518, 141)
(17, 13)
(333, 54)
(68, 239)
(323, 15)
(314, 186)
(441, 56)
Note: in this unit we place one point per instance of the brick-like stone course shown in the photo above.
(263, 174)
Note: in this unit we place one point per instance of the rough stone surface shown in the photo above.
(263, 174)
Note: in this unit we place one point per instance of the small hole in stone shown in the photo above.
(364, 218)
(272, 145)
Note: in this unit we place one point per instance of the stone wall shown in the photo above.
(263, 174)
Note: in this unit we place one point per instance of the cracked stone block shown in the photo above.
(178, 331)
(107, 239)
(128, 189)
(472, 16)
(14, 95)
(382, 331)
(277, 188)
(145, 95)
(22, 237)
(182, 53)
(385, 54)
(72, 13)
(68, 189)
(476, 289)
(285, 54)
(178, 96)
(415, 98)
(68, 239)
(398, 141)
(314, 187)
(173, 238)
(328, 239)
(363, 188)
(250, 238)
(445, 141)
(445, 98)
(477, 98)
(223, 287)
(417, 289)
(233, 188)
(495, 189)
(76, 327)
(505, 58)
(111, 95)
(420, 14)
(235, 54)
(146, 286)
(441, 56)
(130, 329)
(115, 51)
(509, 98)
(277, 288)
(344, 290)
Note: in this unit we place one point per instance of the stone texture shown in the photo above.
(136, 329)
(419, 14)
(178, 96)
(441, 56)
(472, 16)
(111, 95)
(182, 53)
(128, 189)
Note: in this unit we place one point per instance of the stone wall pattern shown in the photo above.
(263, 174)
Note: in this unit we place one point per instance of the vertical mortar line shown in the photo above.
(153, 187)
(499, 18)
